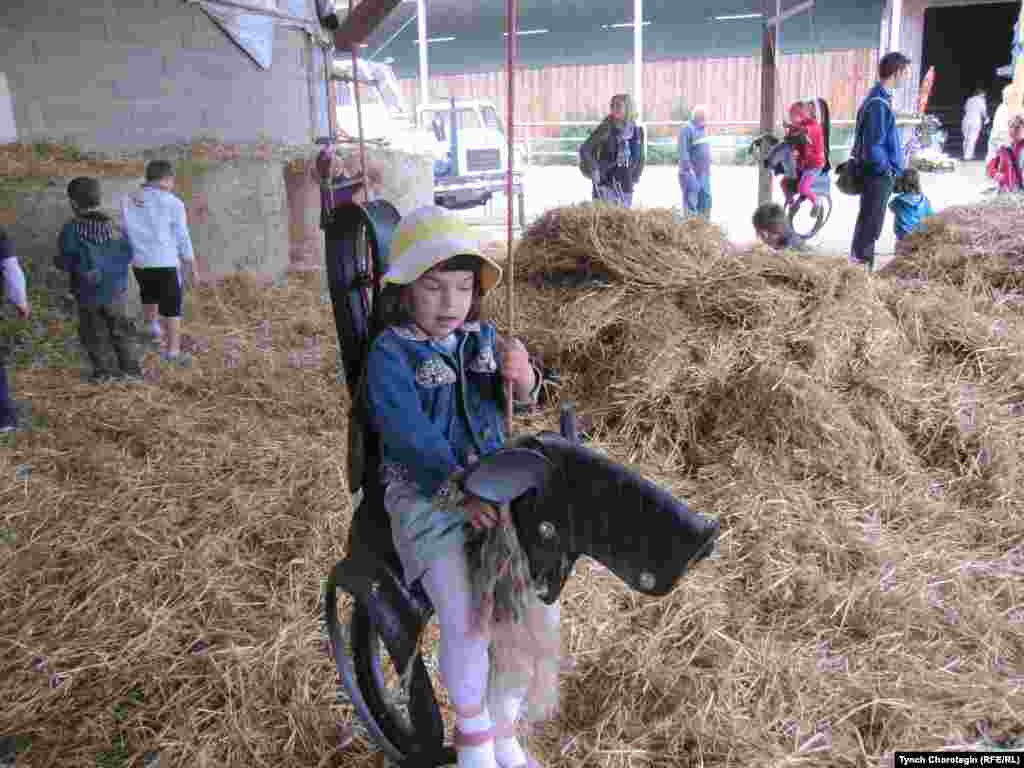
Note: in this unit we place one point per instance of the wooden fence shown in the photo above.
(729, 86)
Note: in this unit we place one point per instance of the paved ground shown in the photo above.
(734, 196)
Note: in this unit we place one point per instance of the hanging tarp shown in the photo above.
(253, 31)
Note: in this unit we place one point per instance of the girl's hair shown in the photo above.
(395, 301)
(910, 182)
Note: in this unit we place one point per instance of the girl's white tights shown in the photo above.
(464, 666)
(463, 655)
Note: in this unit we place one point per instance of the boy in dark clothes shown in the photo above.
(773, 229)
(98, 265)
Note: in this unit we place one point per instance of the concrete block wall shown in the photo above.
(122, 75)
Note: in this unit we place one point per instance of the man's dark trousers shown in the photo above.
(874, 201)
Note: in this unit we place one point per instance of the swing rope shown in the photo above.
(510, 50)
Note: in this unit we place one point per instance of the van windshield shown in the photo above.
(440, 120)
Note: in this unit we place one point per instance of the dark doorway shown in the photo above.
(966, 44)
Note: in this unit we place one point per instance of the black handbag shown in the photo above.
(850, 175)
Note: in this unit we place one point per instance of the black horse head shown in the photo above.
(567, 501)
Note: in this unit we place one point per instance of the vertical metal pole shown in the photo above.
(511, 22)
(638, 58)
(421, 26)
(332, 93)
(907, 95)
(359, 112)
(768, 48)
(778, 28)
(896, 10)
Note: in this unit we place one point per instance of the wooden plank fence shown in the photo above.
(729, 86)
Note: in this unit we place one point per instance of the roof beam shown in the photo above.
(361, 22)
(796, 9)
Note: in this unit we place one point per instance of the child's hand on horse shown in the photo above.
(515, 364)
(483, 515)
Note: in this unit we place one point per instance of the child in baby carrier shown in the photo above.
(1006, 168)
(806, 135)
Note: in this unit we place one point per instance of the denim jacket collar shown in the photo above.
(412, 332)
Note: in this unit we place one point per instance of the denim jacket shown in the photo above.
(436, 413)
(95, 259)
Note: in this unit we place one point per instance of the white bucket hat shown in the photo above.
(430, 235)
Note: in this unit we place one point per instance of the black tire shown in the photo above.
(420, 736)
(808, 227)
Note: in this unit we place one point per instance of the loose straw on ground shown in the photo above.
(860, 440)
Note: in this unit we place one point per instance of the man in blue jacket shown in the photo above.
(880, 149)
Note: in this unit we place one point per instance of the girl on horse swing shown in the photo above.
(435, 384)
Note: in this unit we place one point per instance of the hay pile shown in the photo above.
(162, 545)
(980, 249)
(862, 445)
(706, 360)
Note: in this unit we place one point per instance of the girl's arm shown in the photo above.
(527, 377)
(410, 438)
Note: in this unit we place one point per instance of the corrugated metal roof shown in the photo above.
(588, 32)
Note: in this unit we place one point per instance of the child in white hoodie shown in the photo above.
(154, 223)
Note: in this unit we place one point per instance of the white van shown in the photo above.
(483, 144)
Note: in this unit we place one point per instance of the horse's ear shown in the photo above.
(507, 474)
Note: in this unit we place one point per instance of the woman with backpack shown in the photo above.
(612, 157)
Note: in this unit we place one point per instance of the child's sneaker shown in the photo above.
(151, 335)
(181, 359)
